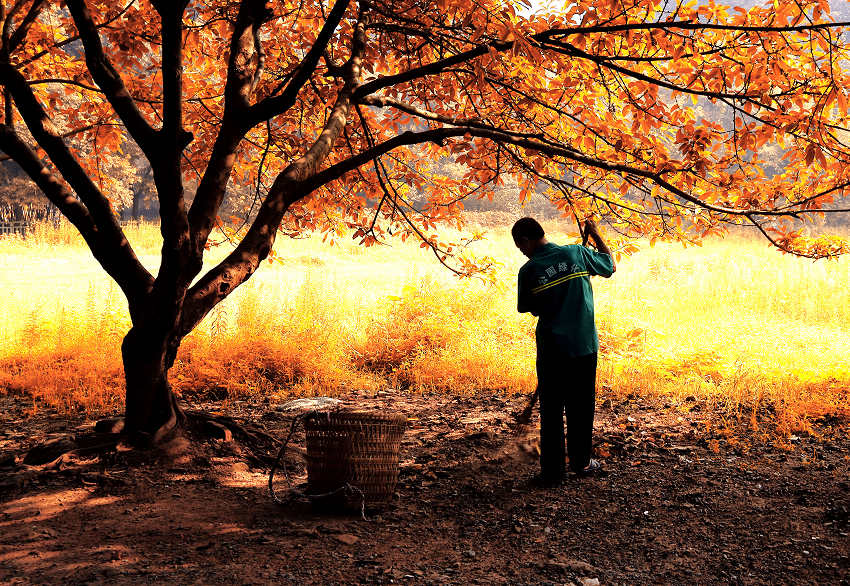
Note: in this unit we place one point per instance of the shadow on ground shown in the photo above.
(674, 507)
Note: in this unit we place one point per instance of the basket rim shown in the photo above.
(343, 416)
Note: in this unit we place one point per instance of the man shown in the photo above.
(555, 286)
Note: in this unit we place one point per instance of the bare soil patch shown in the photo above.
(682, 502)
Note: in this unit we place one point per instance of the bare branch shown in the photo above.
(62, 81)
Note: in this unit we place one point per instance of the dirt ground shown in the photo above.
(681, 502)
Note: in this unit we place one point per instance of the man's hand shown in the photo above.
(591, 230)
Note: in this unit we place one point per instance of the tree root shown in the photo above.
(166, 430)
(255, 437)
(51, 452)
(62, 455)
(57, 454)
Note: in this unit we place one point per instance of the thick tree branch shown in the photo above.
(408, 138)
(47, 136)
(174, 272)
(20, 152)
(109, 80)
(384, 102)
(73, 132)
(95, 220)
(551, 40)
(101, 245)
(172, 133)
(244, 60)
(241, 73)
(261, 58)
(438, 135)
(274, 105)
(8, 17)
(433, 68)
(290, 185)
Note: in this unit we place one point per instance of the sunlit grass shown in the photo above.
(732, 322)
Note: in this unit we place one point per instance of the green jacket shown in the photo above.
(555, 286)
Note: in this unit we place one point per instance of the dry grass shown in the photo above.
(732, 323)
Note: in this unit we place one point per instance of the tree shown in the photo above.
(322, 107)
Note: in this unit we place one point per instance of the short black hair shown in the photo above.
(527, 228)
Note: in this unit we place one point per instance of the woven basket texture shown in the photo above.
(359, 448)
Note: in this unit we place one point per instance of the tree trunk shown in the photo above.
(137, 201)
(151, 408)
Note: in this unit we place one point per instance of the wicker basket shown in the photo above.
(355, 448)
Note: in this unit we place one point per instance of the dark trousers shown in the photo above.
(566, 384)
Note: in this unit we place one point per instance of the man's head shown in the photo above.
(528, 235)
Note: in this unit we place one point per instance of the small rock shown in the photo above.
(580, 566)
(346, 538)
(218, 431)
(49, 451)
(576, 566)
(588, 581)
(112, 425)
(304, 532)
(309, 404)
(239, 468)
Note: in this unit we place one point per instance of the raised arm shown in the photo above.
(591, 229)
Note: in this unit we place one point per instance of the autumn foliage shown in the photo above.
(313, 116)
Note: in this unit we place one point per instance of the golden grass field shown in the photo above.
(763, 335)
